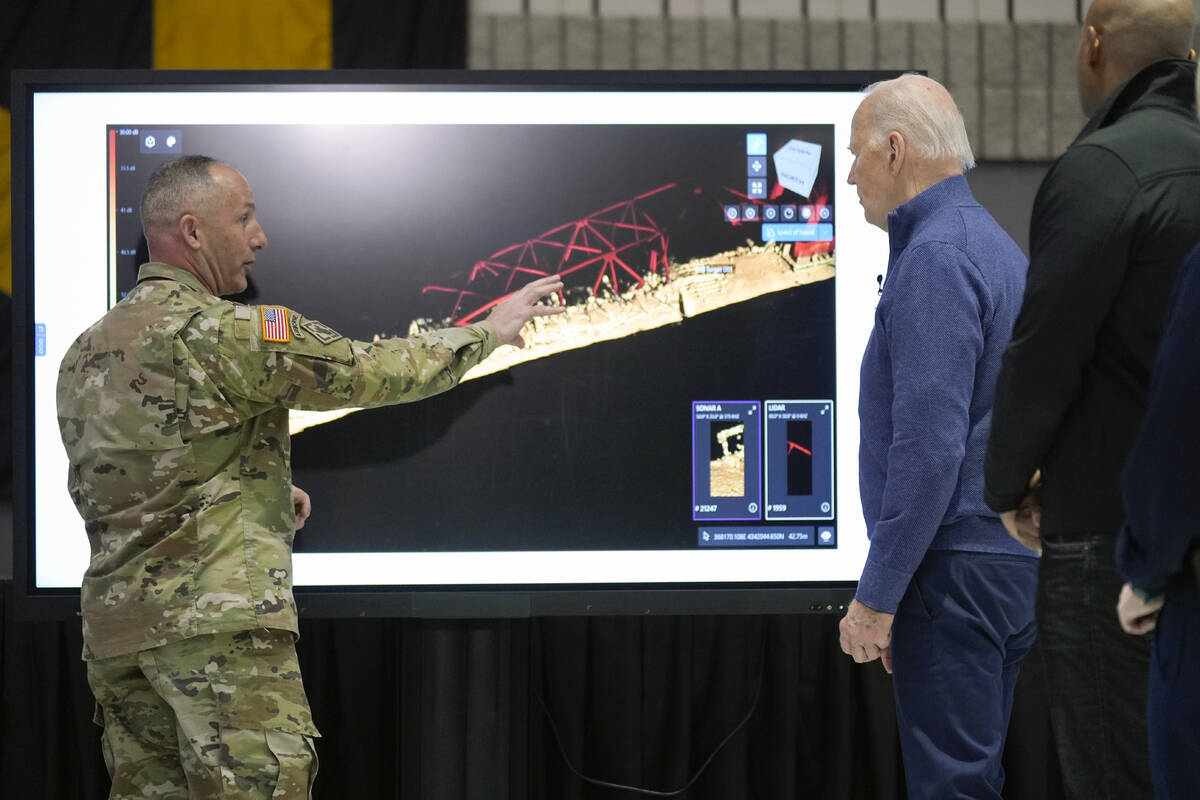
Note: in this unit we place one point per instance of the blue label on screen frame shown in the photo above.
(797, 232)
(39, 339)
(741, 536)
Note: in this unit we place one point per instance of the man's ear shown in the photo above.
(189, 229)
(897, 151)
(1095, 47)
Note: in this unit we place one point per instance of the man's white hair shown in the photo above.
(932, 126)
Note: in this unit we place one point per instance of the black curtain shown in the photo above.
(118, 34)
(387, 34)
(73, 34)
(466, 709)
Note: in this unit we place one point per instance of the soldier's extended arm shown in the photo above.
(303, 364)
(268, 356)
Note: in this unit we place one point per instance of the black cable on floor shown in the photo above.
(762, 662)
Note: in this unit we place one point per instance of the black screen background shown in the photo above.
(588, 449)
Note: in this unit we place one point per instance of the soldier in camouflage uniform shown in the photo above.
(174, 412)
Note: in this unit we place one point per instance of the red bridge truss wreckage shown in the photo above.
(598, 247)
(619, 281)
(608, 252)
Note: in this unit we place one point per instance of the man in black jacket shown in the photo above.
(1111, 224)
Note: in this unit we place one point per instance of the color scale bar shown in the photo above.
(112, 218)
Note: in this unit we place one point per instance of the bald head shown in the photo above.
(1144, 31)
(1121, 37)
(923, 112)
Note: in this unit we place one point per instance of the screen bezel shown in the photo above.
(426, 601)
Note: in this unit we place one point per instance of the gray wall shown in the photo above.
(1008, 63)
(1013, 80)
(1006, 189)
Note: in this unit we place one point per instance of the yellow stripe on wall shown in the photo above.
(243, 34)
(5, 203)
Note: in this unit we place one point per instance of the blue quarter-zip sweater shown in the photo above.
(954, 285)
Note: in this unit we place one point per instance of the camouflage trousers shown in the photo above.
(216, 716)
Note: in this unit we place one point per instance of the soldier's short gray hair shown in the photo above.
(930, 123)
(174, 189)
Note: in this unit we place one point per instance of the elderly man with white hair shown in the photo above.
(946, 596)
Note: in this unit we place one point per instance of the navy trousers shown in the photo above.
(1173, 705)
(958, 638)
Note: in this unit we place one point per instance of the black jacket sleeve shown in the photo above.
(1079, 246)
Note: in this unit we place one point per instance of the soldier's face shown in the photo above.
(233, 233)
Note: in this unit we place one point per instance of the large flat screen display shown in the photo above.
(688, 425)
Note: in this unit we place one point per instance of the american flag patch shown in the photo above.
(275, 324)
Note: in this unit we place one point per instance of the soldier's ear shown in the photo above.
(189, 230)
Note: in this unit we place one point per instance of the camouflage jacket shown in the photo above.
(174, 412)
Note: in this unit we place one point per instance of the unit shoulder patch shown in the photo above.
(323, 333)
(297, 331)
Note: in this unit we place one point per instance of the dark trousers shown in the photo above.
(958, 638)
(1173, 710)
(1095, 672)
